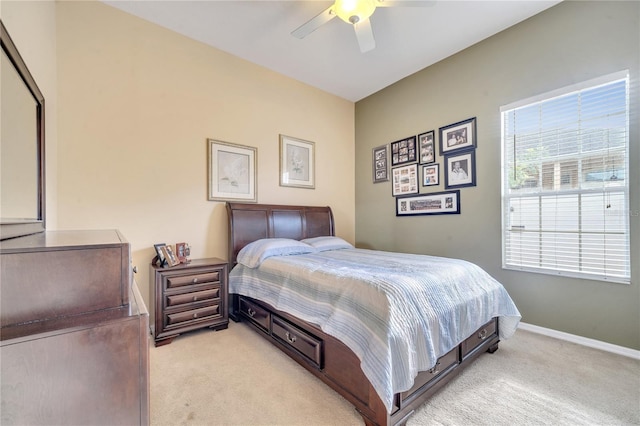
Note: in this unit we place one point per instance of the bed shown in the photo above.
(384, 339)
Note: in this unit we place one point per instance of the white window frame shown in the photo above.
(508, 262)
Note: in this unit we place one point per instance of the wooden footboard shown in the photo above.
(337, 366)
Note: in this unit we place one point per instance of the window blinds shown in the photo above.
(566, 182)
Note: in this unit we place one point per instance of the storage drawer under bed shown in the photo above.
(444, 363)
(290, 335)
(484, 333)
(256, 314)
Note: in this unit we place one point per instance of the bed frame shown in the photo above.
(323, 355)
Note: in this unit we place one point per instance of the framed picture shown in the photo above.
(458, 136)
(404, 151)
(460, 170)
(297, 159)
(380, 164)
(427, 147)
(405, 180)
(169, 256)
(159, 254)
(425, 204)
(181, 252)
(431, 175)
(232, 172)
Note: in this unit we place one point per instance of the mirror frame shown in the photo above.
(20, 228)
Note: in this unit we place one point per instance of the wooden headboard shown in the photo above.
(251, 222)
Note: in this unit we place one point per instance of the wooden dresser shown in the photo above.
(74, 331)
(189, 297)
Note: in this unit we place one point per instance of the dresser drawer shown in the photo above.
(177, 281)
(487, 331)
(292, 336)
(444, 363)
(255, 313)
(192, 315)
(172, 300)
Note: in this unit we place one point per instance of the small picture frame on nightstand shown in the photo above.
(160, 258)
(183, 252)
(170, 257)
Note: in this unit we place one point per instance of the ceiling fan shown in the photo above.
(357, 13)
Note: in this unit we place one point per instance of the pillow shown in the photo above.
(327, 243)
(253, 254)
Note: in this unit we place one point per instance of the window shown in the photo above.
(565, 193)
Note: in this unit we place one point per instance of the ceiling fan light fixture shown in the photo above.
(354, 11)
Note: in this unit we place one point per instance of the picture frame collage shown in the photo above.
(411, 164)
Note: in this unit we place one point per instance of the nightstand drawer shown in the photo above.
(192, 315)
(175, 281)
(290, 335)
(192, 297)
(255, 313)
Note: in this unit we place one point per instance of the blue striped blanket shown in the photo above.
(397, 312)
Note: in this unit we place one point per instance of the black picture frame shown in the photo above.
(404, 151)
(458, 136)
(427, 147)
(160, 257)
(380, 164)
(405, 180)
(460, 169)
(435, 203)
(431, 174)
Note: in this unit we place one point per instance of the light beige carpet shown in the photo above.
(234, 377)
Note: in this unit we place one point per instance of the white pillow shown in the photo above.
(327, 243)
(253, 254)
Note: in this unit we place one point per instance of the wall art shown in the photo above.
(429, 204)
(232, 172)
(458, 136)
(297, 162)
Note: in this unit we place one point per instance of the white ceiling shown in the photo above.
(408, 39)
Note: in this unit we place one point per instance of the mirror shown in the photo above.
(22, 195)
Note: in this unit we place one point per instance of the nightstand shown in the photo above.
(188, 297)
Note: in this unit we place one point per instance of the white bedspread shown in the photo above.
(397, 312)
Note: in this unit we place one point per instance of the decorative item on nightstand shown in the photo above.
(165, 256)
(183, 251)
(159, 259)
(188, 297)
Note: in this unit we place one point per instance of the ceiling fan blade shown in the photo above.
(406, 3)
(365, 35)
(310, 26)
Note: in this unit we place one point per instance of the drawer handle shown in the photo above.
(435, 370)
(251, 312)
(195, 315)
(194, 281)
(290, 338)
(195, 298)
(483, 334)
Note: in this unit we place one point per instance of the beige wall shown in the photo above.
(569, 43)
(136, 105)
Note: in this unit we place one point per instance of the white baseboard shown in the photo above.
(592, 343)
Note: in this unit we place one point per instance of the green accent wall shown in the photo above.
(571, 42)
